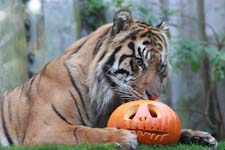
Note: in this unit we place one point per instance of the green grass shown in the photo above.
(221, 146)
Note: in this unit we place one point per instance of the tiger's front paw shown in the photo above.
(124, 139)
(189, 136)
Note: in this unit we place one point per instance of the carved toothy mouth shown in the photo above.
(148, 131)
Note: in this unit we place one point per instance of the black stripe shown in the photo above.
(144, 34)
(133, 69)
(43, 71)
(28, 93)
(143, 26)
(133, 37)
(146, 43)
(109, 64)
(41, 74)
(163, 40)
(122, 71)
(123, 57)
(159, 44)
(141, 23)
(101, 40)
(131, 46)
(60, 115)
(76, 88)
(9, 109)
(143, 52)
(75, 134)
(139, 51)
(155, 29)
(112, 57)
(18, 119)
(79, 47)
(160, 37)
(78, 109)
(6, 132)
(21, 90)
(156, 38)
(103, 55)
(147, 54)
(97, 47)
(30, 87)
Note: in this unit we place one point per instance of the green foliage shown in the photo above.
(188, 52)
(93, 14)
(217, 62)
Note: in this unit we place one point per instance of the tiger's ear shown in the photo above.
(121, 21)
(161, 26)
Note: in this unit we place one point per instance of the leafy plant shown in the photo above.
(186, 51)
(217, 62)
(93, 14)
(190, 52)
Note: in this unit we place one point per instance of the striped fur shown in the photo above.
(73, 95)
(77, 91)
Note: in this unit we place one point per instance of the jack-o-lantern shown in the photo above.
(153, 121)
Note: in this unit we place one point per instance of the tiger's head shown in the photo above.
(132, 61)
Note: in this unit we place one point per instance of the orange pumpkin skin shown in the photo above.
(153, 121)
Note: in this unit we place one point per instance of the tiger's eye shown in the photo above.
(161, 68)
(140, 63)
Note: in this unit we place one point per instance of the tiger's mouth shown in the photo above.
(146, 96)
(151, 96)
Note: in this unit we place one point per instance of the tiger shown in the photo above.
(70, 100)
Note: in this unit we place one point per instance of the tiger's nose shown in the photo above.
(152, 95)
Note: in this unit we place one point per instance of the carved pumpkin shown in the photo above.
(153, 121)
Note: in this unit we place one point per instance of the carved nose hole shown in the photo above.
(143, 118)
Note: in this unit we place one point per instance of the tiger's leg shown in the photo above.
(74, 135)
(189, 136)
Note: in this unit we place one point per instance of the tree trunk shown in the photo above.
(213, 108)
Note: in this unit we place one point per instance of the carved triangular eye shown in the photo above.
(154, 111)
(132, 116)
(131, 112)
